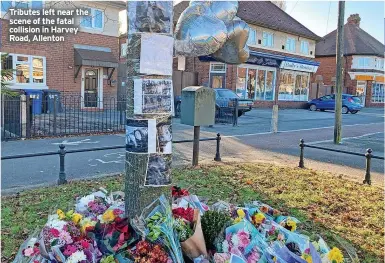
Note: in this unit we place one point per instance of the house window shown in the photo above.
(252, 40)
(27, 69)
(380, 64)
(6, 5)
(363, 62)
(378, 94)
(290, 44)
(268, 39)
(305, 47)
(255, 83)
(294, 86)
(95, 19)
(123, 50)
(217, 75)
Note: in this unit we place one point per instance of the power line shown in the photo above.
(327, 23)
(293, 7)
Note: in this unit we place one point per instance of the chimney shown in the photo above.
(354, 19)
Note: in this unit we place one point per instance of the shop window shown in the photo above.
(94, 19)
(305, 47)
(378, 94)
(290, 44)
(293, 86)
(252, 40)
(241, 83)
(255, 84)
(268, 39)
(27, 69)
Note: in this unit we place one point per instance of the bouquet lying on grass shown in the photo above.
(96, 230)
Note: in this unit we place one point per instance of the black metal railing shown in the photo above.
(368, 157)
(62, 154)
(31, 116)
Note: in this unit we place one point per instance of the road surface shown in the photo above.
(361, 131)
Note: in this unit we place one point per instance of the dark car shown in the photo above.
(224, 99)
(350, 103)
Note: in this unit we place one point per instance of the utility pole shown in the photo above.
(339, 58)
(149, 103)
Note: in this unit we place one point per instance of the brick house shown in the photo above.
(281, 60)
(83, 65)
(363, 62)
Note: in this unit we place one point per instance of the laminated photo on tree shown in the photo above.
(158, 170)
(140, 136)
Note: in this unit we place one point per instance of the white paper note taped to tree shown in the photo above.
(156, 54)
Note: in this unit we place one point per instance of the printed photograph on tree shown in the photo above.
(153, 96)
(158, 170)
(140, 135)
(150, 17)
(164, 136)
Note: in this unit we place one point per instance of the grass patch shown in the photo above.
(331, 206)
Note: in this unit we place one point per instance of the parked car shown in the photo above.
(224, 99)
(350, 103)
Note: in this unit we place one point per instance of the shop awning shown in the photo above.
(95, 58)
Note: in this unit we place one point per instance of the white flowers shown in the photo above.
(55, 222)
(76, 257)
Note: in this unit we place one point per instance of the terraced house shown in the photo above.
(281, 62)
(82, 66)
(363, 63)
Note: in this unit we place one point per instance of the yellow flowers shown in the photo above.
(335, 255)
(307, 257)
(241, 215)
(108, 216)
(61, 214)
(258, 218)
(291, 224)
(76, 218)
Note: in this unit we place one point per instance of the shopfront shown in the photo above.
(295, 81)
(369, 87)
(256, 80)
(378, 94)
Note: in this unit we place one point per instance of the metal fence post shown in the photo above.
(55, 104)
(29, 116)
(368, 156)
(235, 116)
(62, 174)
(218, 153)
(302, 146)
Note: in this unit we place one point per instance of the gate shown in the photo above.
(11, 118)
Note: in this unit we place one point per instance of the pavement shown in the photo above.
(251, 140)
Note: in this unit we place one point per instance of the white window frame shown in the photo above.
(295, 74)
(257, 68)
(255, 34)
(217, 71)
(376, 98)
(380, 64)
(303, 51)
(263, 39)
(31, 84)
(93, 19)
(123, 50)
(13, 4)
(286, 46)
(363, 65)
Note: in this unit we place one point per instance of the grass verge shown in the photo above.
(331, 206)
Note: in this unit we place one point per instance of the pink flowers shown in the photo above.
(69, 250)
(66, 237)
(243, 239)
(31, 251)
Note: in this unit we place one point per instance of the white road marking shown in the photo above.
(346, 138)
(288, 131)
(66, 142)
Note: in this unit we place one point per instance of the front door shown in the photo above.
(91, 86)
(361, 91)
(217, 80)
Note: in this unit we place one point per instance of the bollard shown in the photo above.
(218, 153)
(195, 159)
(302, 146)
(274, 119)
(62, 174)
(368, 156)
